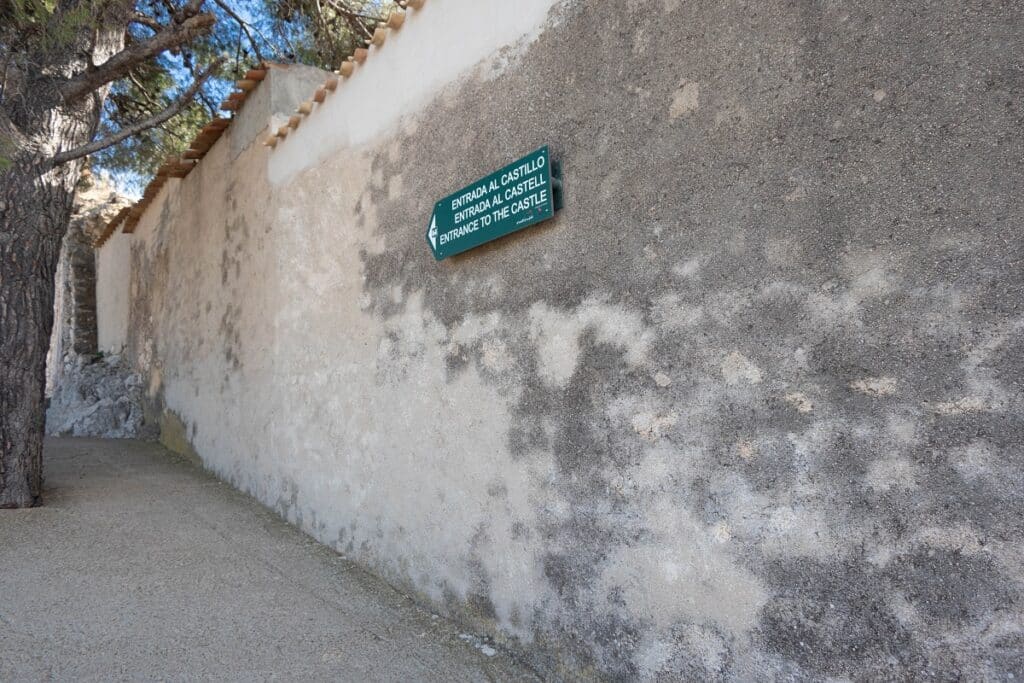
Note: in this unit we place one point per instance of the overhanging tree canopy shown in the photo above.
(319, 34)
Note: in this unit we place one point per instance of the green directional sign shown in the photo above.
(515, 197)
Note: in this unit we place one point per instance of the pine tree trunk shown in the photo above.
(34, 212)
(36, 198)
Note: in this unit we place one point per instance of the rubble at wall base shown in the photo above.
(98, 396)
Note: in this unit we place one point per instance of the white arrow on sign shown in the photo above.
(432, 233)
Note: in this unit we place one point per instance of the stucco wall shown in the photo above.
(749, 407)
(113, 277)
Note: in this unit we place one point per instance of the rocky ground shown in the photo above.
(97, 396)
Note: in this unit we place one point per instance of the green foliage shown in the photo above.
(150, 88)
(45, 25)
(321, 33)
(325, 32)
(154, 85)
(138, 157)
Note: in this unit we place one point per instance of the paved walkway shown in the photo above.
(142, 566)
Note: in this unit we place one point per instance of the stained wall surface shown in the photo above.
(113, 277)
(749, 407)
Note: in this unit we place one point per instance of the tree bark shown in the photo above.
(36, 199)
(34, 210)
(50, 109)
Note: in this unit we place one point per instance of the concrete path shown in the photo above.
(143, 566)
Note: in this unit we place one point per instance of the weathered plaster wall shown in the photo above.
(113, 277)
(411, 68)
(748, 408)
(284, 87)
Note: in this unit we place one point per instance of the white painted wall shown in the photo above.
(113, 283)
(256, 336)
(252, 317)
(436, 45)
(640, 432)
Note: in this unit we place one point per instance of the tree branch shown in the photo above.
(147, 21)
(244, 25)
(121, 63)
(353, 18)
(140, 126)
